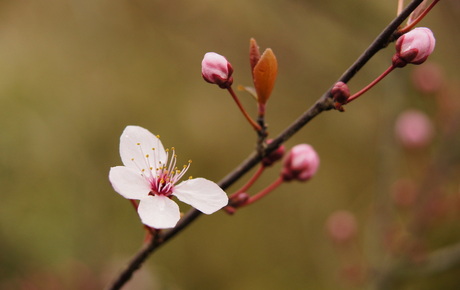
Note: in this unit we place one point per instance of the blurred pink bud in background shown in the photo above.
(416, 45)
(301, 163)
(414, 129)
(341, 226)
(428, 78)
(215, 69)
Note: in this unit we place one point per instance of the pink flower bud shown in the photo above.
(414, 47)
(301, 163)
(340, 94)
(215, 69)
(414, 129)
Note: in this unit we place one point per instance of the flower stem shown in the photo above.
(251, 181)
(134, 203)
(265, 191)
(407, 28)
(373, 83)
(246, 115)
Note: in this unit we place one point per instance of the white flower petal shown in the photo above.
(136, 143)
(159, 212)
(128, 182)
(202, 194)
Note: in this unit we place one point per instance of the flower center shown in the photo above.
(163, 175)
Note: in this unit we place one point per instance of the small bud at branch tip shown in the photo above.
(215, 69)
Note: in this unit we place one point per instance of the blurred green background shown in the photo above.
(74, 73)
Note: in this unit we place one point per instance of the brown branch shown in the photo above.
(324, 103)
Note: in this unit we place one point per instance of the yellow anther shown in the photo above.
(190, 161)
(147, 156)
(172, 148)
(167, 150)
(138, 143)
(190, 177)
(151, 168)
(132, 159)
(142, 169)
(158, 136)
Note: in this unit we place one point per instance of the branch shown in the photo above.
(324, 103)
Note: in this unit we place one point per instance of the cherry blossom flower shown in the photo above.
(150, 175)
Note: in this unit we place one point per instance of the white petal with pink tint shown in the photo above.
(159, 212)
(136, 143)
(202, 194)
(128, 182)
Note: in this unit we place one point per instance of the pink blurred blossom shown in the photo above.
(428, 78)
(414, 129)
(341, 226)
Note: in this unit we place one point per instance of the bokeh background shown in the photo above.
(74, 73)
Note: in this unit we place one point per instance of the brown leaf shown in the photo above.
(264, 74)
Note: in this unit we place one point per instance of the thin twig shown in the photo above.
(324, 103)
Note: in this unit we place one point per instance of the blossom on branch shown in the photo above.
(150, 175)
(215, 69)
